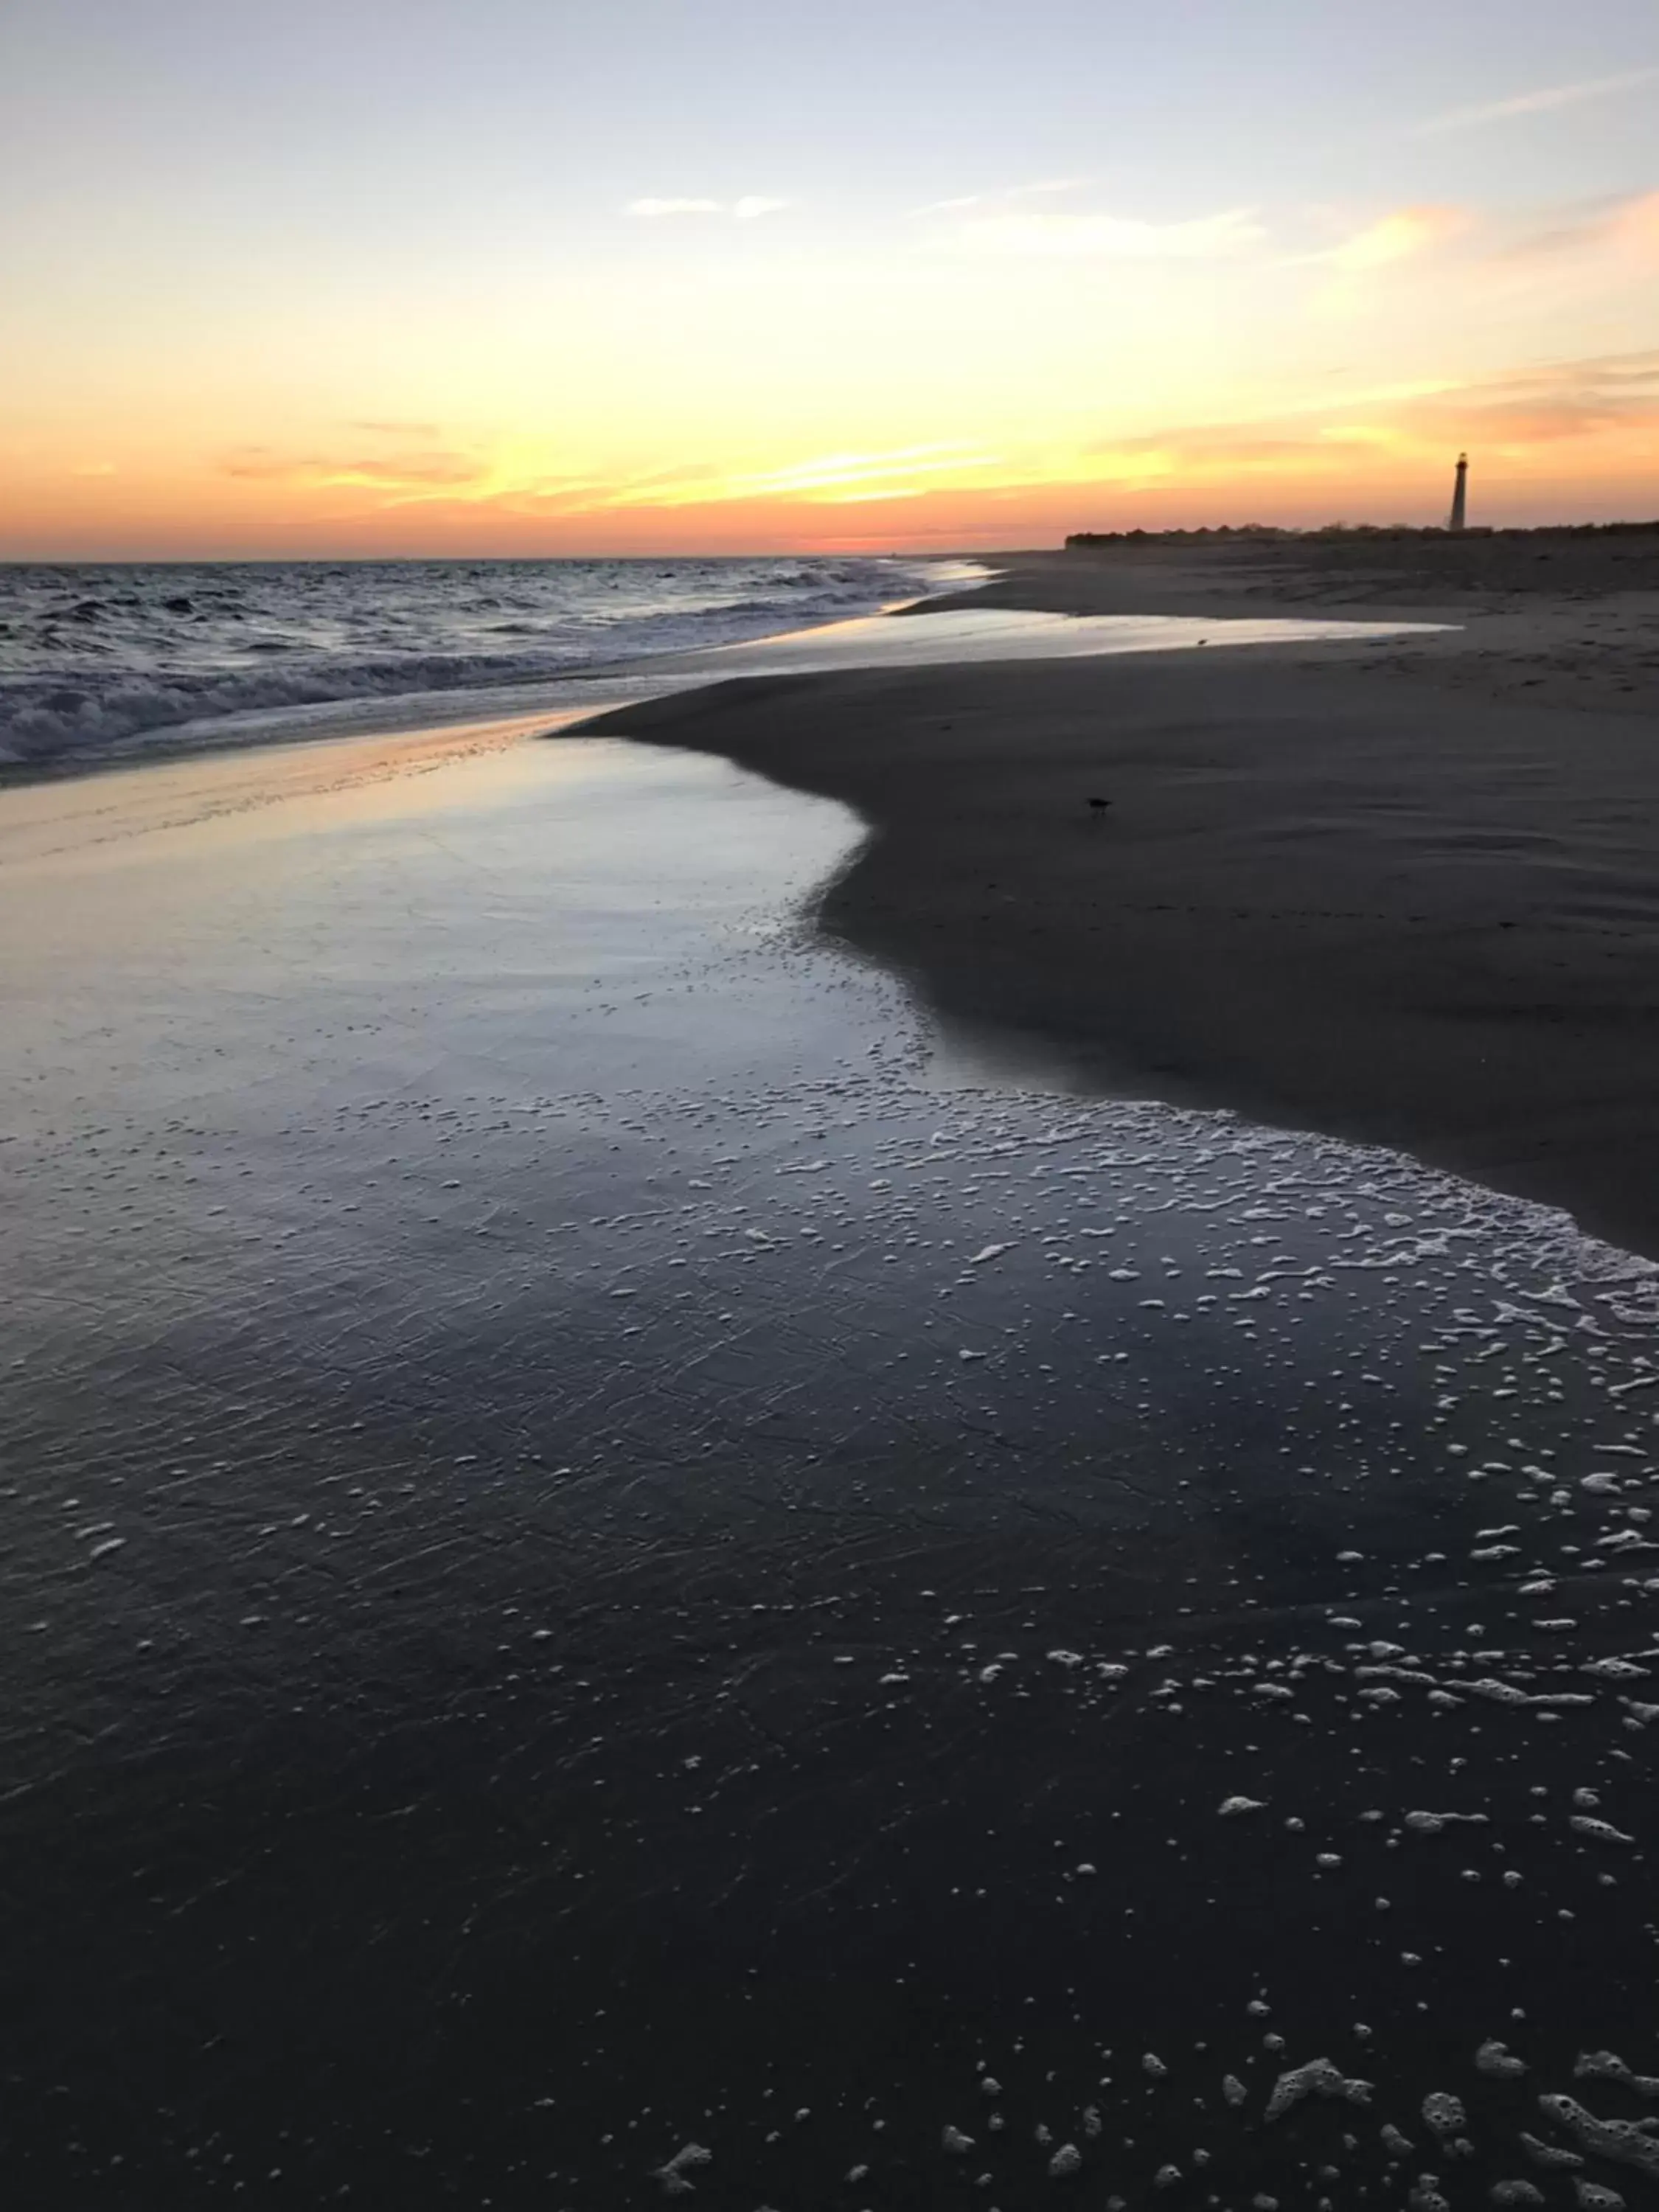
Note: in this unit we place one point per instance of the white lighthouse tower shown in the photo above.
(1460, 494)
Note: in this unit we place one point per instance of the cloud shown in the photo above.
(824, 479)
(681, 472)
(404, 458)
(1043, 186)
(1507, 418)
(394, 427)
(1628, 224)
(749, 209)
(1112, 237)
(1544, 404)
(1541, 102)
(1396, 237)
(417, 468)
(1589, 419)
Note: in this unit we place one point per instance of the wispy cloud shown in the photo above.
(1111, 237)
(1552, 421)
(1003, 196)
(833, 479)
(1628, 224)
(1398, 236)
(389, 469)
(395, 427)
(1544, 404)
(1540, 102)
(1521, 419)
(824, 479)
(749, 209)
(520, 482)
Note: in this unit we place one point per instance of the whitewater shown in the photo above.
(107, 661)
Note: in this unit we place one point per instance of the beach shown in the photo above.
(646, 1557)
(1399, 889)
(829, 1232)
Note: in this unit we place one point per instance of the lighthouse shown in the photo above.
(1460, 493)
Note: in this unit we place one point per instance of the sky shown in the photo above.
(365, 278)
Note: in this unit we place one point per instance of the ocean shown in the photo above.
(107, 661)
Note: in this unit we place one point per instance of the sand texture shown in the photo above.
(1404, 892)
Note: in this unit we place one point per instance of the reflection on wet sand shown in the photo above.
(613, 1592)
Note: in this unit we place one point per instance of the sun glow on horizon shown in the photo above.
(706, 333)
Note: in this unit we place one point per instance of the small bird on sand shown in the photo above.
(1097, 807)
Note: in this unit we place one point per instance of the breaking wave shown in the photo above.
(94, 658)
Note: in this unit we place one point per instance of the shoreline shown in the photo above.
(1402, 892)
(1435, 934)
(588, 655)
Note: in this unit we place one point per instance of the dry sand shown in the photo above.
(1405, 892)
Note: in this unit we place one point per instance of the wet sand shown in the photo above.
(1404, 891)
(613, 1588)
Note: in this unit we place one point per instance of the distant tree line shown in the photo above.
(1388, 531)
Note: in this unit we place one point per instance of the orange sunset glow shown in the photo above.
(440, 342)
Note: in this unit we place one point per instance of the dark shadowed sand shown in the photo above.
(1406, 891)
